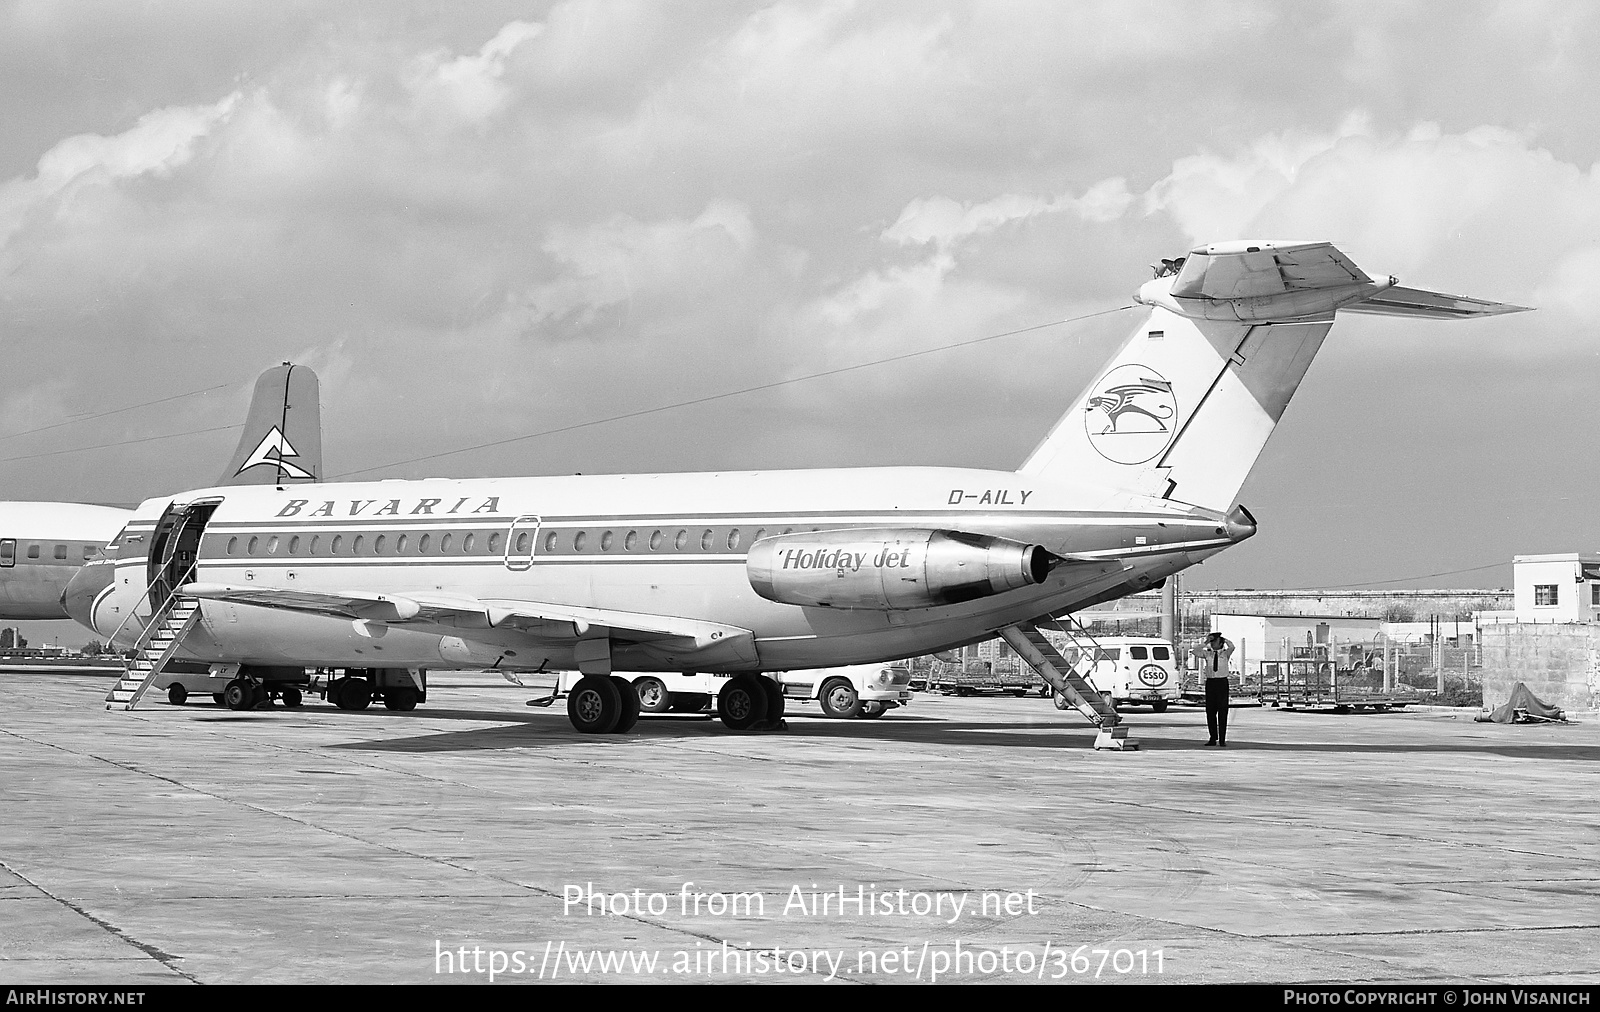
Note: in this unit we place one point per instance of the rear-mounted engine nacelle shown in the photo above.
(889, 569)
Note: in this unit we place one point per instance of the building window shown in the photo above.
(1545, 594)
(1594, 593)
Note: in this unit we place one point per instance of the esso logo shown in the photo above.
(1153, 675)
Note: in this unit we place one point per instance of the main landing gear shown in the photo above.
(751, 703)
(603, 704)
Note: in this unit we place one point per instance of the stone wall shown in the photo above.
(1560, 662)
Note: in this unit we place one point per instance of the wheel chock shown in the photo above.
(1115, 739)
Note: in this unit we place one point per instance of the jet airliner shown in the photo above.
(752, 572)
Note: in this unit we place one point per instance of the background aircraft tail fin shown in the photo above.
(282, 439)
(1187, 404)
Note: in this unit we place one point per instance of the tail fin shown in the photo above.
(282, 439)
(1186, 405)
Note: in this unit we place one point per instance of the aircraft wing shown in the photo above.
(546, 623)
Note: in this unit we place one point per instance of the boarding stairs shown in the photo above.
(169, 625)
(1031, 644)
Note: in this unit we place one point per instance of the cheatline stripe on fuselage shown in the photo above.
(548, 560)
(894, 519)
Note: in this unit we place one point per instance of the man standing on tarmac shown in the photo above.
(1214, 655)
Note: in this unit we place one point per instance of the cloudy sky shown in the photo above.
(488, 221)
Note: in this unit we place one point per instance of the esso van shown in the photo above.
(1134, 670)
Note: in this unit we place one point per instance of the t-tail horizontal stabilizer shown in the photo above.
(1186, 405)
(1260, 281)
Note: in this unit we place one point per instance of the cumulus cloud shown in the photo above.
(472, 87)
(161, 141)
(943, 221)
(608, 265)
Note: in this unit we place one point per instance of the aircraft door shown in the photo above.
(175, 547)
(521, 542)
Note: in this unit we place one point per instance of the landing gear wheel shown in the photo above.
(594, 705)
(291, 697)
(402, 698)
(355, 695)
(653, 695)
(216, 697)
(630, 705)
(1160, 706)
(239, 695)
(839, 699)
(742, 703)
(690, 702)
(177, 695)
(262, 697)
(873, 709)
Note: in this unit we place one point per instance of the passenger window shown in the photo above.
(681, 540)
(294, 545)
(705, 541)
(1161, 653)
(33, 551)
(550, 542)
(631, 542)
(494, 542)
(605, 541)
(316, 540)
(378, 543)
(251, 547)
(400, 545)
(338, 543)
(61, 552)
(1138, 653)
(88, 552)
(760, 533)
(733, 540)
(466, 544)
(579, 540)
(656, 538)
(444, 544)
(272, 545)
(422, 544)
(233, 543)
(355, 546)
(8, 552)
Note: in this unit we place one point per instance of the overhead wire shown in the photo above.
(757, 388)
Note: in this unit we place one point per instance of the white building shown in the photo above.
(1556, 588)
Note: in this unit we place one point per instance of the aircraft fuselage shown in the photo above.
(652, 545)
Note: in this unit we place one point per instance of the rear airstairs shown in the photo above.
(1040, 654)
(154, 649)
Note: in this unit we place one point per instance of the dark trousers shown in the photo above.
(1217, 708)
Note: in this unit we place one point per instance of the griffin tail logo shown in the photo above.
(1130, 416)
(272, 451)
